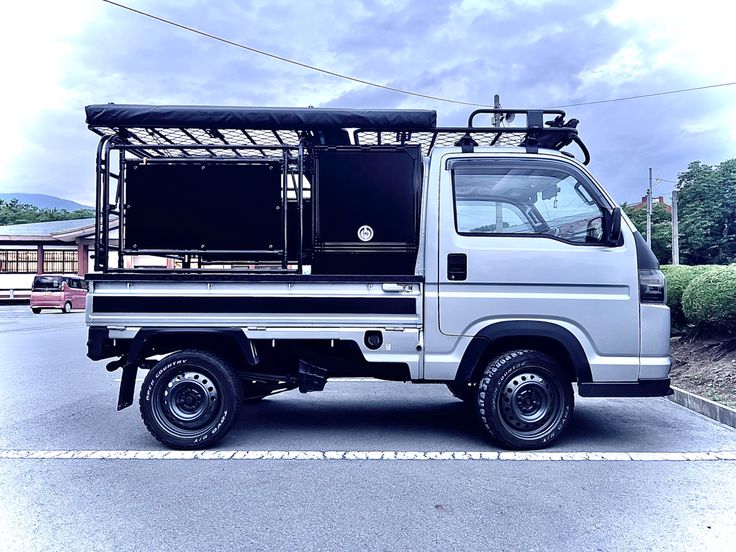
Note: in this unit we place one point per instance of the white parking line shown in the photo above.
(349, 380)
(393, 455)
(357, 380)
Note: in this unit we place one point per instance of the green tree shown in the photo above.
(14, 212)
(661, 228)
(707, 212)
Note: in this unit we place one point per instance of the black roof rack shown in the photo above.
(196, 131)
(539, 132)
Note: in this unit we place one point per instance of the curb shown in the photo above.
(706, 407)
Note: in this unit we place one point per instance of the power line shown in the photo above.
(292, 61)
(383, 86)
(649, 95)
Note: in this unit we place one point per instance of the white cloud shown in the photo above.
(713, 124)
(35, 45)
(693, 37)
(626, 65)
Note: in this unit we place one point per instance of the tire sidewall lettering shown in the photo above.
(160, 372)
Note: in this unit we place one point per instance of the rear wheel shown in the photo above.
(36, 310)
(190, 400)
(67, 307)
(525, 400)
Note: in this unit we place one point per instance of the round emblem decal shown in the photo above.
(365, 233)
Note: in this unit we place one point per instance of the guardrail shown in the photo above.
(14, 296)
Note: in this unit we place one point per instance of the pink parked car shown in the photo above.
(58, 292)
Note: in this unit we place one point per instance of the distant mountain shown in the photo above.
(44, 201)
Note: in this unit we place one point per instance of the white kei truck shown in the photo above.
(241, 252)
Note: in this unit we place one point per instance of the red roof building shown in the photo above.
(659, 199)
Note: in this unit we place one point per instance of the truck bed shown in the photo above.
(253, 300)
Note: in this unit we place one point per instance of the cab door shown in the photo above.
(525, 240)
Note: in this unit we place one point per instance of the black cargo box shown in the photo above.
(366, 209)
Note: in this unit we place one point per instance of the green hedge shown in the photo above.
(710, 298)
(678, 279)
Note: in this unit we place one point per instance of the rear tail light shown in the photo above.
(652, 286)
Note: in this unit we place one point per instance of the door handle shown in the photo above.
(401, 288)
(457, 266)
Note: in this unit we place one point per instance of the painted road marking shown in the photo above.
(394, 455)
(349, 380)
(370, 380)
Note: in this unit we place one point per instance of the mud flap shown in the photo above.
(311, 377)
(127, 386)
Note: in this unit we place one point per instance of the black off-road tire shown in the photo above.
(525, 399)
(463, 391)
(190, 399)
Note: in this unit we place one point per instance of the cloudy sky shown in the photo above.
(58, 57)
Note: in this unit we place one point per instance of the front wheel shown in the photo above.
(525, 400)
(36, 310)
(190, 400)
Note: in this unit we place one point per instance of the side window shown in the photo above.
(491, 217)
(513, 200)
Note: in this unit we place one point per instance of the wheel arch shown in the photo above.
(546, 337)
(230, 343)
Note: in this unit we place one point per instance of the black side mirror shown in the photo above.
(614, 232)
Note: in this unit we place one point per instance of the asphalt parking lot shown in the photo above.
(363, 465)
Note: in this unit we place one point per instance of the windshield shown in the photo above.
(47, 283)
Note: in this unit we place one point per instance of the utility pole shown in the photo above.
(675, 231)
(496, 124)
(649, 209)
(496, 116)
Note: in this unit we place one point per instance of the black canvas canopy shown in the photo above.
(264, 118)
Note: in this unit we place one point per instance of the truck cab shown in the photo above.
(298, 245)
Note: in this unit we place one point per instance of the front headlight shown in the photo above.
(652, 286)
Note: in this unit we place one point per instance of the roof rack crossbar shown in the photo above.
(194, 139)
(536, 115)
(249, 137)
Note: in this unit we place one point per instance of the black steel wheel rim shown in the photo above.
(187, 401)
(530, 404)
